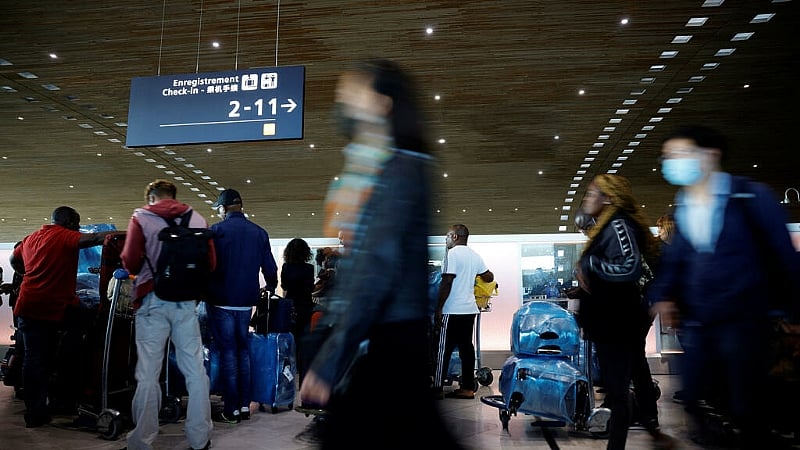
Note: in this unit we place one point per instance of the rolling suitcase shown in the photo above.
(273, 368)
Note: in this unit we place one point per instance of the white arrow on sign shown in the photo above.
(291, 105)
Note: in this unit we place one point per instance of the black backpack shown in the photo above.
(182, 269)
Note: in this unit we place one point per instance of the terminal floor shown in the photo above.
(477, 424)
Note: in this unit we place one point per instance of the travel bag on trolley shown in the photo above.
(547, 377)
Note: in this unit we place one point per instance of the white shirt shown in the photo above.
(465, 264)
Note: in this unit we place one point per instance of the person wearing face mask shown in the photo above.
(380, 203)
(728, 229)
(611, 312)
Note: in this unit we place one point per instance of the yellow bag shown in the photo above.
(483, 292)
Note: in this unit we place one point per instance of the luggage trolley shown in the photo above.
(118, 351)
(549, 373)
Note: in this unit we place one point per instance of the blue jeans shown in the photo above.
(229, 330)
(157, 321)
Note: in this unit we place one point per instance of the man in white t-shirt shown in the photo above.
(456, 311)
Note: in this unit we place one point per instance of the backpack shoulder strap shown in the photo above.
(185, 218)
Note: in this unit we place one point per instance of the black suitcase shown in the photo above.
(274, 314)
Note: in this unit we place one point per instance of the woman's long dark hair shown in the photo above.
(392, 81)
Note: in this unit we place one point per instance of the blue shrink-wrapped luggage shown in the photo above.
(552, 388)
(273, 369)
(542, 327)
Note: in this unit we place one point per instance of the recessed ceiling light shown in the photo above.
(624, 21)
(640, 135)
(442, 141)
(697, 21)
(742, 36)
(648, 128)
(581, 91)
(444, 175)
(27, 75)
(638, 92)
(556, 137)
(657, 68)
(725, 52)
(615, 120)
(633, 143)
(667, 54)
(746, 86)
(696, 79)
(627, 151)
(541, 172)
(647, 80)
(629, 102)
(712, 3)
(664, 110)
(311, 146)
(603, 136)
(437, 97)
(429, 30)
(710, 66)
(609, 129)
(622, 111)
(4, 62)
(655, 119)
(7, 89)
(685, 90)
(215, 44)
(53, 56)
(682, 39)
(762, 18)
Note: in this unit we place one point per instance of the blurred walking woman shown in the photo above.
(613, 314)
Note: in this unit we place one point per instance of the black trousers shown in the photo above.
(402, 412)
(620, 363)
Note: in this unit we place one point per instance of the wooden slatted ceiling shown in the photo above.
(508, 73)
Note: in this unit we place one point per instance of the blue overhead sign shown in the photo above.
(243, 105)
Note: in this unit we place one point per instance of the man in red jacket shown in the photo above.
(48, 259)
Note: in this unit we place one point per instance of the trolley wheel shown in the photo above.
(505, 417)
(484, 376)
(109, 425)
(171, 411)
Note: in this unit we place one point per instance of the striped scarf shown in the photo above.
(363, 165)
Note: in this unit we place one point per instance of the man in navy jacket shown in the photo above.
(729, 231)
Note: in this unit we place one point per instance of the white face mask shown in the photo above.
(682, 171)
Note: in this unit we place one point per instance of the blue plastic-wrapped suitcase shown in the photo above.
(542, 327)
(273, 368)
(554, 388)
